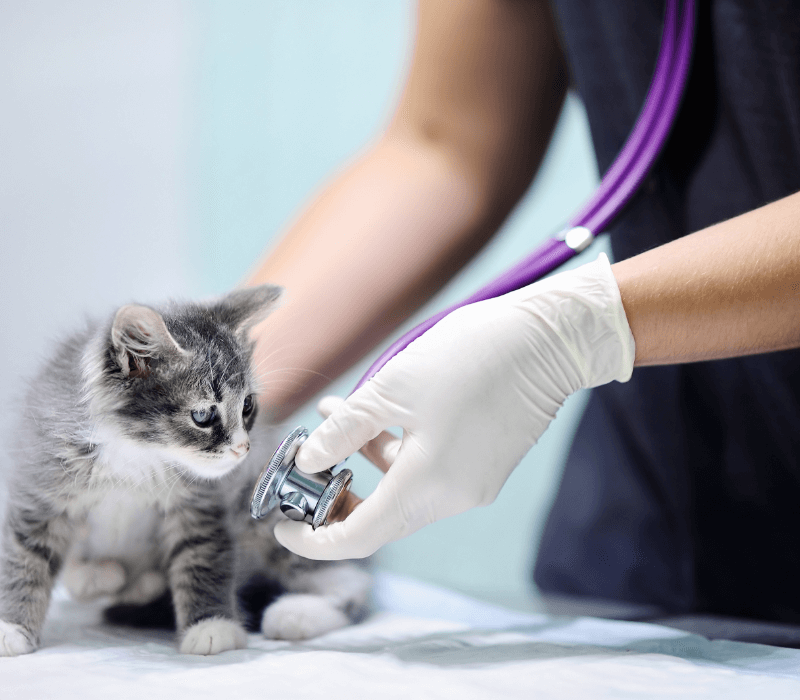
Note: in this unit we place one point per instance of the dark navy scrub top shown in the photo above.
(682, 488)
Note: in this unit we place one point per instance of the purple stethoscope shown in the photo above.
(314, 497)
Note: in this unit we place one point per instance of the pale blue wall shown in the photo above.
(285, 91)
(93, 143)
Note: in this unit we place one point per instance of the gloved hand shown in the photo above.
(472, 396)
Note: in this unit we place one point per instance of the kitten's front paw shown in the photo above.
(301, 616)
(15, 640)
(86, 581)
(213, 636)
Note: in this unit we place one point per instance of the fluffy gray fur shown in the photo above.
(136, 456)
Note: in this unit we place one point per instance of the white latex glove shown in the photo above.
(472, 396)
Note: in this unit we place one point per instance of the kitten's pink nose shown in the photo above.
(241, 449)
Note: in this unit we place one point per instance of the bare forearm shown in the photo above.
(728, 290)
(474, 120)
(370, 249)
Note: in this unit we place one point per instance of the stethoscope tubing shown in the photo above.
(617, 187)
(641, 134)
(656, 121)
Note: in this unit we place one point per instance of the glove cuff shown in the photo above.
(585, 309)
(613, 353)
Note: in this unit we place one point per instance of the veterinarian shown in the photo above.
(682, 486)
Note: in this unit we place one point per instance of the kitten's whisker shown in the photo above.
(287, 382)
(210, 363)
(274, 347)
(228, 364)
(298, 373)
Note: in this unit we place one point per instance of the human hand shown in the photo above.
(472, 396)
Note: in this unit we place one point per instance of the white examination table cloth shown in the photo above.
(423, 643)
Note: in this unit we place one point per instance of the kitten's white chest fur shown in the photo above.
(122, 525)
(124, 464)
(120, 516)
(116, 549)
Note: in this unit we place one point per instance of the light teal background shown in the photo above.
(285, 92)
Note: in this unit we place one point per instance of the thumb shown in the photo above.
(350, 425)
(381, 450)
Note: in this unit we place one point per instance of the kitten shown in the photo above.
(137, 453)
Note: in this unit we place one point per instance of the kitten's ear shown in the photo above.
(244, 308)
(139, 334)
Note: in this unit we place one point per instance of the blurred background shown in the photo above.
(158, 148)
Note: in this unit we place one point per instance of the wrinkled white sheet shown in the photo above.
(424, 643)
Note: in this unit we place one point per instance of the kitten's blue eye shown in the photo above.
(204, 416)
(248, 405)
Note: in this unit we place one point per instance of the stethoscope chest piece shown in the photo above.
(309, 497)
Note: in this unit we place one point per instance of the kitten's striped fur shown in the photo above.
(115, 476)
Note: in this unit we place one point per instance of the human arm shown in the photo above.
(477, 390)
(484, 90)
(729, 290)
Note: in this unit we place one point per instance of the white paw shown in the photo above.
(213, 636)
(301, 616)
(14, 640)
(89, 580)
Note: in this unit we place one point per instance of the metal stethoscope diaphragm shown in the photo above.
(309, 497)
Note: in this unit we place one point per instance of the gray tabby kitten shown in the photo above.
(133, 476)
